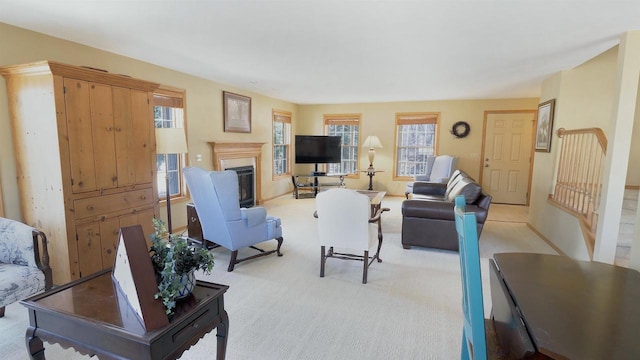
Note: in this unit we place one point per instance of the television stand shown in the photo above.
(305, 185)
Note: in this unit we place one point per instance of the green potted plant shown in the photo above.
(175, 262)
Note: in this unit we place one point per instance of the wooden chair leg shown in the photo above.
(279, 240)
(233, 260)
(366, 266)
(322, 261)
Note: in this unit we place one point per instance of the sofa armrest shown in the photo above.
(429, 188)
(440, 210)
(428, 209)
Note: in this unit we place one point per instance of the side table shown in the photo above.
(89, 316)
(371, 172)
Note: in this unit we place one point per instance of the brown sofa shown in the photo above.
(428, 217)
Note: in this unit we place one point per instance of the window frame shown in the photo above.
(413, 118)
(345, 119)
(281, 116)
(170, 97)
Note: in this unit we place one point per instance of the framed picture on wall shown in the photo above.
(544, 126)
(237, 112)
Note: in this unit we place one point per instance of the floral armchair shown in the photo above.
(23, 272)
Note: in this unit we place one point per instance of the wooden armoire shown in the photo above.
(84, 142)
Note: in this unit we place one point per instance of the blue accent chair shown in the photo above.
(216, 199)
(478, 335)
(438, 170)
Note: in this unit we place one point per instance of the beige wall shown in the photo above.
(204, 108)
(584, 98)
(379, 119)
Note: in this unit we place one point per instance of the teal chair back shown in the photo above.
(474, 344)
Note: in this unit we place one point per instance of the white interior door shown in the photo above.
(507, 156)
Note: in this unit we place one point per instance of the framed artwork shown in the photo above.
(237, 112)
(544, 126)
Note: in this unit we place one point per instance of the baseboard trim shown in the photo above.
(544, 238)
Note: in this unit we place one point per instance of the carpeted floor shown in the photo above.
(279, 308)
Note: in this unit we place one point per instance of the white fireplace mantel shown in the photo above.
(230, 154)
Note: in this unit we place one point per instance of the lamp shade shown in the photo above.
(372, 142)
(171, 141)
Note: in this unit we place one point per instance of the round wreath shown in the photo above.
(460, 129)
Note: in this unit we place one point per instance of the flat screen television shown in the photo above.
(316, 149)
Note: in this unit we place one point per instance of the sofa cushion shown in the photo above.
(468, 187)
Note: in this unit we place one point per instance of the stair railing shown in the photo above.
(579, 181)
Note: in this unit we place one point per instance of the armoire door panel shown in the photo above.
(143, 136)
(145, 218)
(109, 229)
(89, 248)
(77, 105)
(103, 136)
(123, 126)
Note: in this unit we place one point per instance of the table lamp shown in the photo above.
(372, 142)
(170, 141)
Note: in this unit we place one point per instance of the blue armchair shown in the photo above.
(438, 169)
(216, 199)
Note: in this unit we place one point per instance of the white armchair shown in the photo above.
(23, 272)
(345, 222)
(438, 170)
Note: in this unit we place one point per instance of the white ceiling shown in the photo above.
(331, 51)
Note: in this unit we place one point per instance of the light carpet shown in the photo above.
(279, 308)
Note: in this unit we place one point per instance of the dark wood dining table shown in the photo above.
(568, 309)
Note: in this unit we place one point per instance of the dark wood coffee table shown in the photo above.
(89, 316)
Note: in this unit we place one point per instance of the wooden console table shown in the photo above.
(567, 309)
(89, 316)
(313, 185)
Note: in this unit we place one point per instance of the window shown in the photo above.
(415, 139)
(168, 112)
(347, 126)
(281, 143)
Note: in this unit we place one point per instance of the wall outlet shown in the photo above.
(198, 157)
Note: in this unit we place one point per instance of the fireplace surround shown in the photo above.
(236, 154)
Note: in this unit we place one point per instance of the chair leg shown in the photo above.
(322, 261)
(233, 261)
(2, 312)
(279, 240)
(366, 266)
(464, 352)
